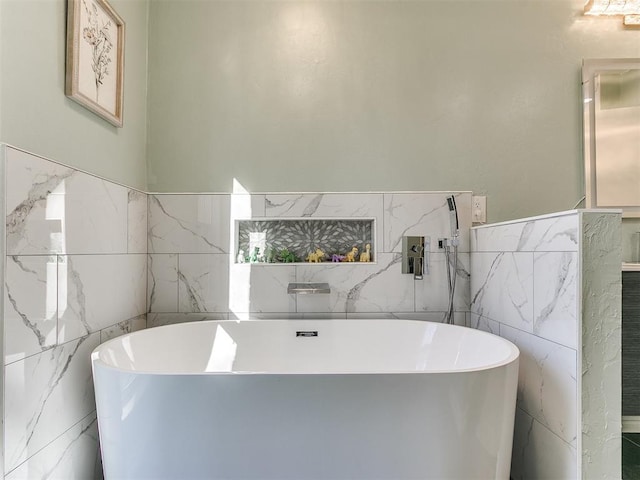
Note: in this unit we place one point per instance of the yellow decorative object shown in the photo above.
(316, 257)
(366, 255)
(351, 256)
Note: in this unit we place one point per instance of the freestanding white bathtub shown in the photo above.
(326, 399)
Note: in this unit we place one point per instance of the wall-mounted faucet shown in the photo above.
(413, 256)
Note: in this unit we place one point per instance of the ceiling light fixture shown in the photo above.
(628, 9)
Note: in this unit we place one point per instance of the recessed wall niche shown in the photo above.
(294, 240)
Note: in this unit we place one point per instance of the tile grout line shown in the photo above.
(575, 448)
(93, 412)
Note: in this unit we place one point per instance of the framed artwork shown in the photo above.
(95, 58)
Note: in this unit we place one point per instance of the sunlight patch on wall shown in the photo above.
(239, 274)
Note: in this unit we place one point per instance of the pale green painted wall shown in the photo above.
(477, 95)
(35, 114)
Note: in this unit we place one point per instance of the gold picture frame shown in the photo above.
(95, 58)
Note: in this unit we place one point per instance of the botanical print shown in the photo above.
(97, 35)
(97, 62)
(95, 58)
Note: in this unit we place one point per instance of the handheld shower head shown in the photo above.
(451, 253)
(453, 216)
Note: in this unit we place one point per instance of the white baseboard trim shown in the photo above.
(631, 424)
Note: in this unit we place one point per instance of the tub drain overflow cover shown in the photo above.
(307, 333)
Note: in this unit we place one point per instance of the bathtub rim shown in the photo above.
(514, 354)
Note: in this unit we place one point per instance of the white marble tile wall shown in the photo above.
(528, 284)
(159, 319)
(547, 382)
(45, 395)
(189, 223)
(192, 269)
(76, 275)
(95, 290)
(31, 305)
(74, 454)
(55, 209)
(551, 459)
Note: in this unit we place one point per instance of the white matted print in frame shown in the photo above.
(95, 58)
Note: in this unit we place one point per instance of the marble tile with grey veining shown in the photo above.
(359, 288)
(538, 453)
(162, 283)
(121, 328)
(381, 315)
(502, 287)
(555, 297)
(31, 181)
(161, 319)
(482, 323)
(189, 223)
(424, 214)
(30, 305)
(203, 283)
(557, 234)
(499, 238)
(55, 209)
(324, 205)
(432, 292)
(44, 395)
(459, 318)
(553, 234)
(547, 382)
(74, 454)
(260, 289)
(293, 316)
(137, 209)
(97, 291)
(329, 205)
